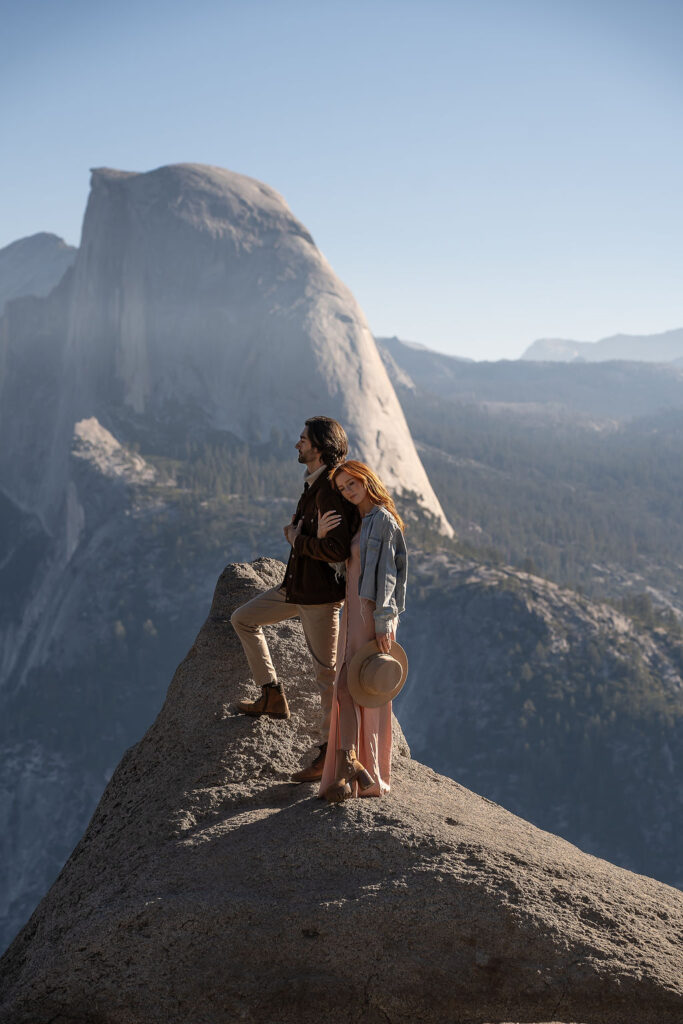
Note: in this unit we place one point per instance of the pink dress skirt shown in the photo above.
(373, 725)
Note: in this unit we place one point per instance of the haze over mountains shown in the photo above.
(614, 389)
(651, 348)
(149, 405)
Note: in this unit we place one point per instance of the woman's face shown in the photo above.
(350, 488)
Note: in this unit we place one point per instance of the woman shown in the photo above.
(359, 745)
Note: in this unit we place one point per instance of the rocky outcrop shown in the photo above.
(208, 888)
(33, 266)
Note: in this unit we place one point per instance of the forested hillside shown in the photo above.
(594, 503)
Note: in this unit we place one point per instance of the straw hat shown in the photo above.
(374, 678)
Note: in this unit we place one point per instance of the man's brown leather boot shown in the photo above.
(314, 771)
(271, 702)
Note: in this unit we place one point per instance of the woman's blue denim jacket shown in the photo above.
(383, 566)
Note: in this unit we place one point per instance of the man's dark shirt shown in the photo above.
(310, 578)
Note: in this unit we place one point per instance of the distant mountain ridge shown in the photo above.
(647, 348)
(610, 390)
(33, 266)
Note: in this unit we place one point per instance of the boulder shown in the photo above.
(208, 888)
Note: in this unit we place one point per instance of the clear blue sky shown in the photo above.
(479, 173)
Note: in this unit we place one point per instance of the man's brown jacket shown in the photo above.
(310, 578)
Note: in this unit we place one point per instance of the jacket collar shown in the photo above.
(312, 480)
(368, 517)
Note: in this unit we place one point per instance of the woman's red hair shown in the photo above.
(379, 495)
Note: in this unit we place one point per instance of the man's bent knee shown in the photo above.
(235, 619)
(243, 624)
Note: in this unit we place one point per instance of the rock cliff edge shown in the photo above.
(207, 888)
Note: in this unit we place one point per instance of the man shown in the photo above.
(310, 590)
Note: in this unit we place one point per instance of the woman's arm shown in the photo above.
(385, 640)
(335, 546)
(386, 610)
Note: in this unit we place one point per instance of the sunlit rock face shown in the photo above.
(198, 293)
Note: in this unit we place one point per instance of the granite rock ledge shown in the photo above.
(207, 888)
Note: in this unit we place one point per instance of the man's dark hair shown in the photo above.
(329, 437)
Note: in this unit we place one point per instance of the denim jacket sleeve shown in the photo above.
(384, 564)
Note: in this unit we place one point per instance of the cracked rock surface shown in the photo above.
(208, 888)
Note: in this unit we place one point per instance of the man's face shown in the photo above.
(307, 451)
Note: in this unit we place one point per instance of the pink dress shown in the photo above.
(373, 725)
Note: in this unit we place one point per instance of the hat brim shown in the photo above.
(357, 691)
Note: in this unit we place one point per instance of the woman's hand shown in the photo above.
(327, 521)
(384, 641)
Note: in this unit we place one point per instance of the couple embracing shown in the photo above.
(347, 546)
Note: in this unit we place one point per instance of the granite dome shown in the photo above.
(198, 287)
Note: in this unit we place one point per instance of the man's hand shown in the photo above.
(291, 532)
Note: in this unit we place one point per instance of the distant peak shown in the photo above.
(654, 348)
(42, 239)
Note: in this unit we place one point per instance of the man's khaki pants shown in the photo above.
(320, 624)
